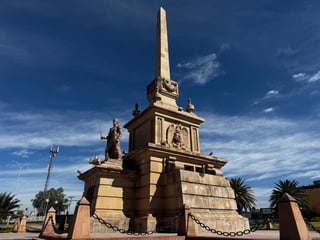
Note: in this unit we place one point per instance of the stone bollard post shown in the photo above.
(80, 227)
(269, 224)
(23, 224)
(186, 224)
(47, 228)
(16, 225)
(292, 225)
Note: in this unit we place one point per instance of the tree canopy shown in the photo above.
(55, 197)
(8, 203)
(292, 188)
(243, 194)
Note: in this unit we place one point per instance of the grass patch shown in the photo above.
(6, 228)
(316, 224)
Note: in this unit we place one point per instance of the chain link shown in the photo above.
(56, 230)
(311, 226)
(226, 234)
(123, 231)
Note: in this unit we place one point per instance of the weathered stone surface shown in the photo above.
(162, 52)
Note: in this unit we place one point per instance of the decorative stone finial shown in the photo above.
(136, 110)
(190, 107)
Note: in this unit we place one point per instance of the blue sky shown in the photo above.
(67, 68)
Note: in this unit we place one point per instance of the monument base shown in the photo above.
(152, 193)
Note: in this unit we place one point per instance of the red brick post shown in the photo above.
(292, 225)
(80, 227)
(47, 228)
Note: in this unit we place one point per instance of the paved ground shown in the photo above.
(266, 235)
(12, 235)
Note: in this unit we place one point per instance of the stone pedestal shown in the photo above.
(110, 191)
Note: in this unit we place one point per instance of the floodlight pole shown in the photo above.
(53, 152)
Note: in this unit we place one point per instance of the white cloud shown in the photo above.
(300, 76)
(307, 77)
(272, 93)
(268, 110)
(36, 130)
(202, 69)
(262, 196)
(315, 77)
(24, 153)
(263, 150)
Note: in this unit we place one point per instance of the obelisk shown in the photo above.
(162, 51)
(162, 90)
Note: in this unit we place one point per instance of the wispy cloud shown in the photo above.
(27, 134)
(267, 147)
(268, 110)
(272, 93)
(261, 194)
(202, 69)
(309, 78)
(24, 153)
(37, 130)
(300, 76)
(315, 77)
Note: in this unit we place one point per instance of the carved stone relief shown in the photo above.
(177, 136)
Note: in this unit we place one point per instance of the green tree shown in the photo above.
(292, 188)
(8, 203)
(56, 199)
(243, 194)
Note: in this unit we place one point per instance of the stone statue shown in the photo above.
(113, 149)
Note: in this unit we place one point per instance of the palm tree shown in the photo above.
(8, 203)
(243, 194)
(292, 188)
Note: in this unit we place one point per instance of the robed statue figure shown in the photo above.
(113, 149)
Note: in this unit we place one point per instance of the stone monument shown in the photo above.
(164, 170)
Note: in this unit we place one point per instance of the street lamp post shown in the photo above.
(46, 208)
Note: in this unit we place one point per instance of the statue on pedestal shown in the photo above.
(113, 149)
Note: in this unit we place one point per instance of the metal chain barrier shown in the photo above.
(311, 226)
(123, 231)
(56, 230)
(226, 234)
